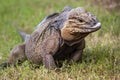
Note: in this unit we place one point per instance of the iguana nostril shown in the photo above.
(95, 21)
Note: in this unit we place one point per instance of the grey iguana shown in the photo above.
(59, 36)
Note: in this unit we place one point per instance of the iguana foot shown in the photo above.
(49, 62)
(4, 65)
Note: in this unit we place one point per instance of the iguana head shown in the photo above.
(79, 24)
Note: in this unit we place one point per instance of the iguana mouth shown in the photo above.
(89, 29)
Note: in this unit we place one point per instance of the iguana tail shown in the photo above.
(23, 35)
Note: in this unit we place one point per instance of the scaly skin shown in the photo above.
(59, 37)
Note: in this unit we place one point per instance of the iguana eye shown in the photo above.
(80, 20)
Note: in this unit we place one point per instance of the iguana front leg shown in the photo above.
(17, 55)
(48, 61)
(77, 55)
(49, 48)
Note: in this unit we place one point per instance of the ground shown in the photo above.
(101, 59)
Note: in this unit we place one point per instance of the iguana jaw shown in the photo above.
(75, 31)
(75, 27)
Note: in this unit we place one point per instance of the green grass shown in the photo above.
(101, 59)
